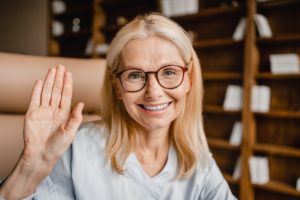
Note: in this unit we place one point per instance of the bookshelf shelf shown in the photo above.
(210, 12)
(278, 150)
(275, 77)
(278, 187)
(279, 39)
(223, 144)
(219, 109)
(216, 43)
(279, 114)
(230, 179)
(222, 76)
(276, 4)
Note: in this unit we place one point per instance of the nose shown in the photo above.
(153, 89)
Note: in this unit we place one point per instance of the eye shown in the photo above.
(170, 71)
(135, 76)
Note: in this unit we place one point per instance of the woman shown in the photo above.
(150, 143)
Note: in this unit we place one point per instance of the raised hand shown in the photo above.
(49, 129)
(49, 126)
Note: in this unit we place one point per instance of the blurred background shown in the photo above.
(249, 53)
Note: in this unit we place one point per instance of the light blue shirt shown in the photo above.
(84, 173)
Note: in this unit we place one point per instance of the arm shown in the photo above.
(49, 129)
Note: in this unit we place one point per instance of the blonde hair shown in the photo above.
(186, 132)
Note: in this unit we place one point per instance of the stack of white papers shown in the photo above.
(259, 169)
(260, 98)
(263, 26)
(233, 98)
(99, 48)
(237, 169)
(236, 134)
(298, 184)
(179, 7)
(58, 7)
(57, 28)
(240, 30)
(284, 63)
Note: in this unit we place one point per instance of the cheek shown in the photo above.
(128, 99)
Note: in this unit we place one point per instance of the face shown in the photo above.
(153, 107)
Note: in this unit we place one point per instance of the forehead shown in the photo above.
(151, 52)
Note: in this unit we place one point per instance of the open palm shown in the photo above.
(49, 126)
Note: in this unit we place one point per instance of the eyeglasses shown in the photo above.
(168, 77)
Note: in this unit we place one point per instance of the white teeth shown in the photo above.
(157, 107)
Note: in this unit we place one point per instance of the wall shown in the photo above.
(23, 26)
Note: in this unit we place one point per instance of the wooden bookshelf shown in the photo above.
(274, 134)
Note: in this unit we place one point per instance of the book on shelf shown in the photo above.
(298, 184)
(284, 63)
(100, 49)
(57, 28)
(263, 26)
(260, 98)
(58, 7)
(233, 98)
(259, 169)
(240, 30)
(237, 169)
(236, 134)
(172, 8)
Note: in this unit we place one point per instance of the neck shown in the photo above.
(152, 149)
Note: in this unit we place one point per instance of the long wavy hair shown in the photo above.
(186, 132)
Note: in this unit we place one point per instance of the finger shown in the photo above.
(35, 100)
(58, 85)
(48, 85)
(74, 120)
(66, 98)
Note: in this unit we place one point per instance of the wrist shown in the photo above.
(25, 179)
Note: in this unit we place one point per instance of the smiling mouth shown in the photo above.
(155, 107)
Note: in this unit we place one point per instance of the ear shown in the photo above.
(117, 87)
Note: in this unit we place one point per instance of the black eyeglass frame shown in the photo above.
(119, 74)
